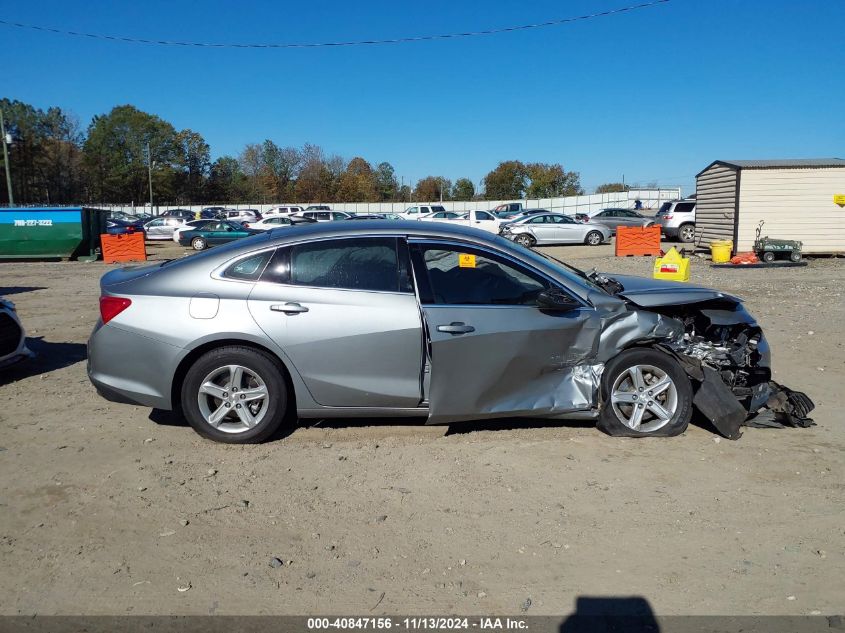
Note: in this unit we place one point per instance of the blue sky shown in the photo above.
(654, 94)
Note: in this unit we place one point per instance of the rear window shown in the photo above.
(248, 269)
(684, 207)
(350, 264)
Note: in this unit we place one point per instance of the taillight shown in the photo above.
(667, 217)
(246, 225)
(110, 307)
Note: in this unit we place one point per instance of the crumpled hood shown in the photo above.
(649, 293)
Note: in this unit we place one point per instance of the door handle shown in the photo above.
(289, 308)
(456, 327)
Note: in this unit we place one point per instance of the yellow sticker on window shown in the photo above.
(466, 260)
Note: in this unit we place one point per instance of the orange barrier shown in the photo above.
(123, 248)
(637, 240)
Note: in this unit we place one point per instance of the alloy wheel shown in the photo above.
(233, 399)
(644, 398)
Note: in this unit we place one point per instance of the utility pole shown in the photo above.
(6, 161)
(150, 173)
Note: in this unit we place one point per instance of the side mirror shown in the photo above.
(556, 299)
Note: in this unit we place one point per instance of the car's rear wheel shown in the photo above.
(795, 256)
(645, 393)
(235, 395)
(687, 232)
(525, 240)
(593, 238)
(199, 244)
(768, 257)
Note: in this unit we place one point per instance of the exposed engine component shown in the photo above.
(728, 356)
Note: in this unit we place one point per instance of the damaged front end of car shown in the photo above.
(722, 349)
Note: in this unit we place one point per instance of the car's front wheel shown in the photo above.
(235, 395)
(644, 392)
(594, 238)
(199, 244)
(525, 240)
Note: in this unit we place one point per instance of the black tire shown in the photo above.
(795, 257)
(257, 361)
(768, 257)
(199, 244)
(525, 240)
(686, 233)
(593, 238)
(609, 421)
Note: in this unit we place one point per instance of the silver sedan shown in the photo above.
(412, 319)
(554, 228)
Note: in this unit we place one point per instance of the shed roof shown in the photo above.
(787, 163)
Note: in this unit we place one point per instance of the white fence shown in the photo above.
(651, 199)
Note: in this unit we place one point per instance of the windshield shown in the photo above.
(566, 269)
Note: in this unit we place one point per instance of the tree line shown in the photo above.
(54, 161)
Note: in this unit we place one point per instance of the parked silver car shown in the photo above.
(614, 218)
(554, 228)
(677, 219)
(399, 318)
(162, 228)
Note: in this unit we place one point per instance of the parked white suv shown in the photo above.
(325, 216)
(283, 211)
(677, 219)
(415, 213)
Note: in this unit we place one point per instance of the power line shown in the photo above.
(396, 40)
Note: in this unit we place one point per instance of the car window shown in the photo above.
(483, 215)
(536, 219)
(684, 207)
(560, 219)
(339, 216)
(467, 276)
(156, 222)
(250, 268)
(370, 263)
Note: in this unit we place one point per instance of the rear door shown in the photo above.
(568, 231)
(629, 218)
(493, 352)
(155, 228)
(345, 313)
(608, 218)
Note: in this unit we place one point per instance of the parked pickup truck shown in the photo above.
(509, 207)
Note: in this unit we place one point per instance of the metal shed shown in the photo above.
(801, 199)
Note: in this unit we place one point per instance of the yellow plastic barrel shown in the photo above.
(720, 251)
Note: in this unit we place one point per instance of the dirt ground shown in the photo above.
(105, 510)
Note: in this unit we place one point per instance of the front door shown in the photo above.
(484, 220)
(493, 351)
(345, 313)
(545, 231)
